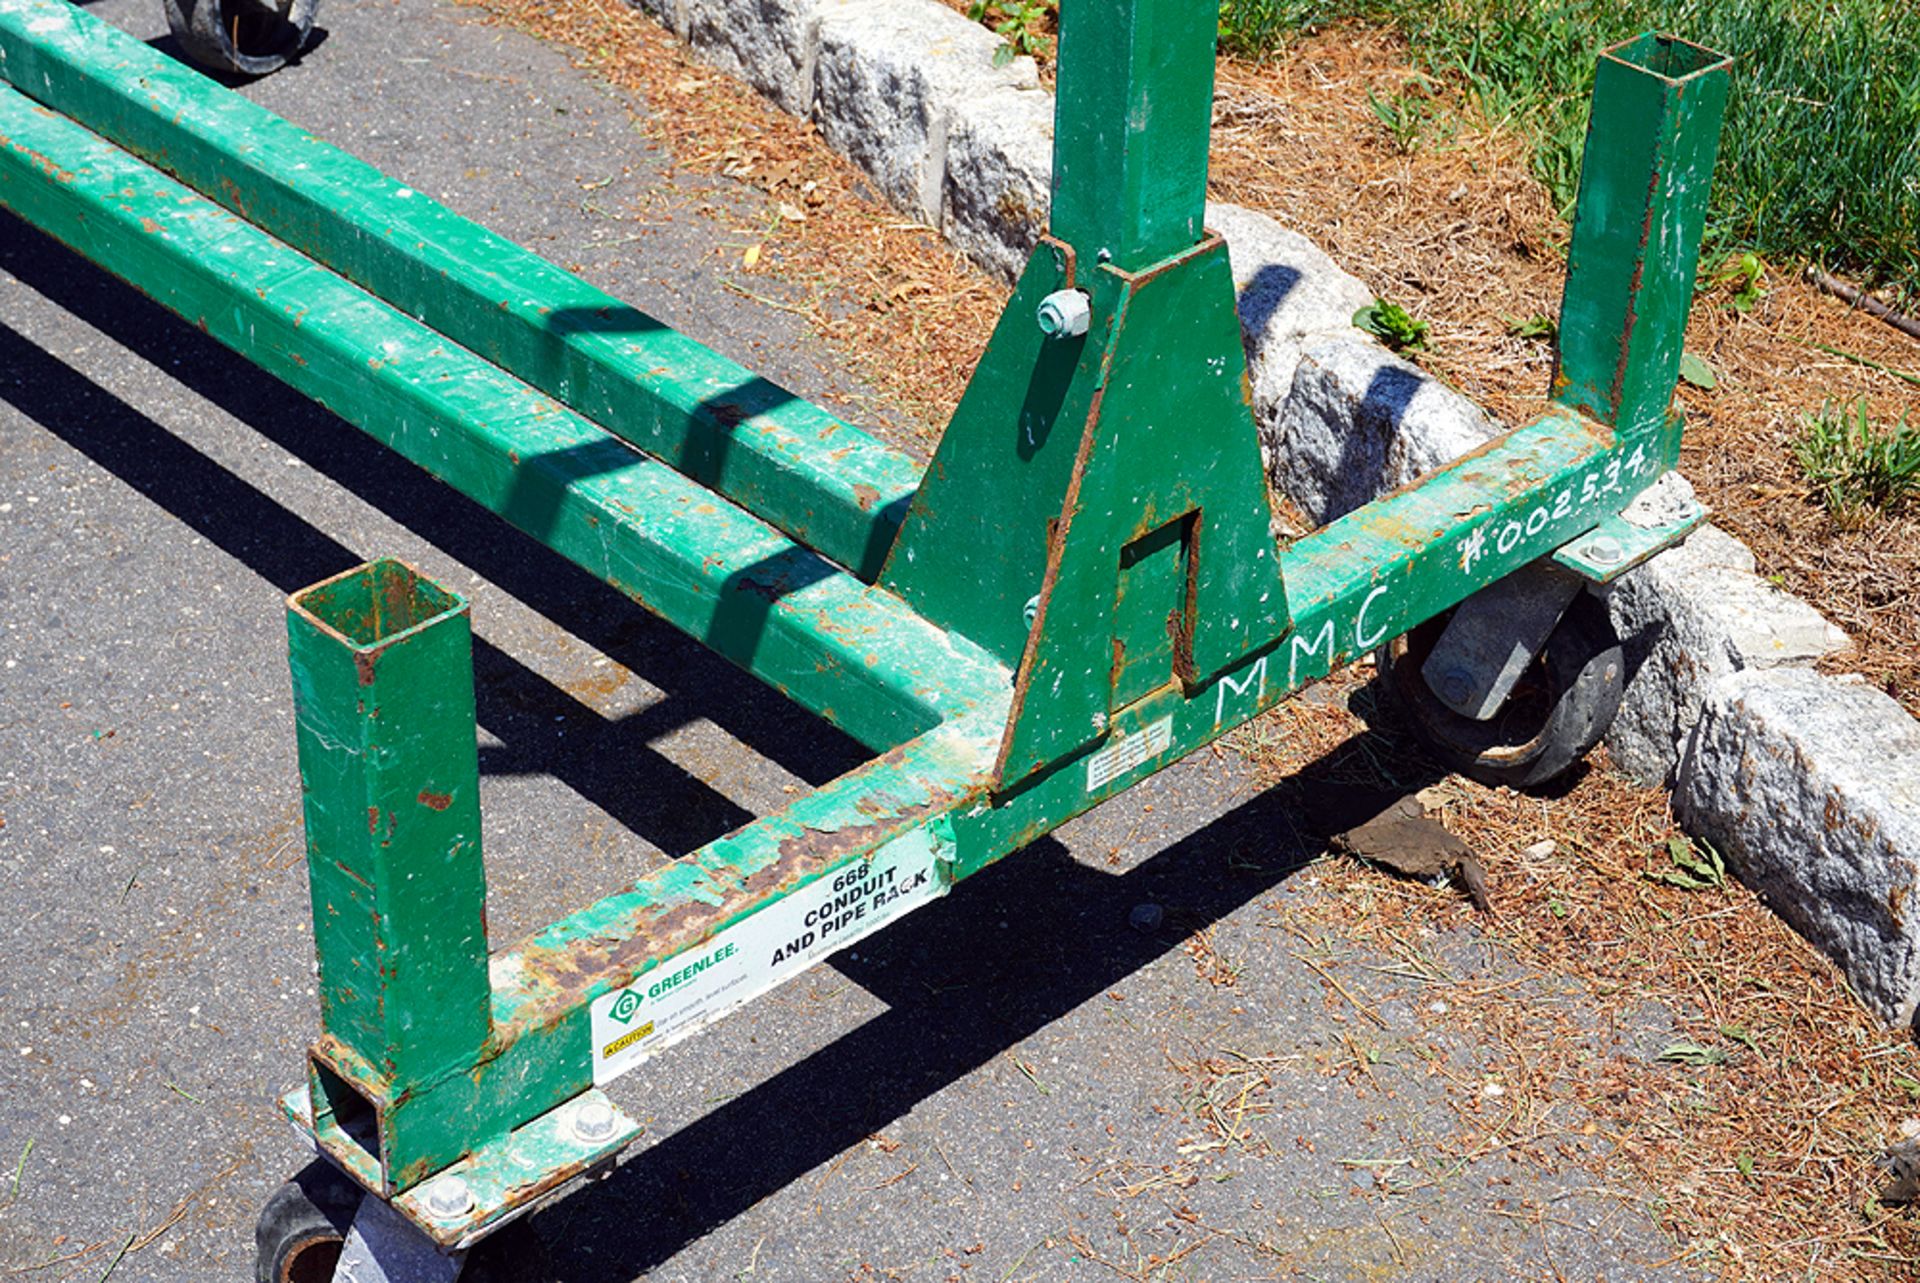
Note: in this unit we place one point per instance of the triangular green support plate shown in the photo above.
(1097, 510)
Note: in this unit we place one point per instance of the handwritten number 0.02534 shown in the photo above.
(1600, 483)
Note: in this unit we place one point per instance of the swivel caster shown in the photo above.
(245, 37)
(1556, 712)
(302, 1237)
(303, 1225)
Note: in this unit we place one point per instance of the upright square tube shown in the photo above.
(389, 774)
(1648, 168)
(1132, 119)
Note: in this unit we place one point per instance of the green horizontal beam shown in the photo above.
(850, 652)
(805, 472)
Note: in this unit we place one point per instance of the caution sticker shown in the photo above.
(774, 945)
(1121, 756)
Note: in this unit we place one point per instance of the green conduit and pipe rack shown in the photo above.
(1080, 589)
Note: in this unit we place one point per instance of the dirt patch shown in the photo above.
(1756, 1117)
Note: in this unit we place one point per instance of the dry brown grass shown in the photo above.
(1764, 1158)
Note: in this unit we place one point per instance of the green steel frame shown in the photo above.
(1080, 590)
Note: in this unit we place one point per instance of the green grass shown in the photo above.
(1859, 468)
(1820, 159)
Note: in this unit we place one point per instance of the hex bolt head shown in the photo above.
(1605, 550)
(448, 1199)
(594, 1121)
(1065, 314)
(1456, 688)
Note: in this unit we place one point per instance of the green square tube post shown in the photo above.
(382, 669)
(1132, 122)
(1644, 182)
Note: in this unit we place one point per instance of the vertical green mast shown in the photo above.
(1131, 128)
(1097, 513)
(389, 774)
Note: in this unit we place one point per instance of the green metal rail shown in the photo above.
(1081, 589)
(808, 474)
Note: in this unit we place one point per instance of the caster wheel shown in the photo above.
(1558, 711)
(303, 1226)
(248, 37)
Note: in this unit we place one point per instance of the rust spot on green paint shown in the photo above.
(45, 163)
(435, 801)
(866, 496)
(235, 198)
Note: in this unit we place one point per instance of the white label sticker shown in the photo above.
(744, 961)
(1121, 756)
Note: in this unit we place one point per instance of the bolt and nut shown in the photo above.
(1605, 550)
(448, 1199)
(1065, 314)
(1456, 688)
(595, 1122)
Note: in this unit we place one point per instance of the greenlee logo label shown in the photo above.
(783, 939)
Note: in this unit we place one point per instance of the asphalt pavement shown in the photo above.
(999, 1087)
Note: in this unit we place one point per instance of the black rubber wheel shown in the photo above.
(303, 1226)
(305, 1223)
(1559, 710)
(247, 37)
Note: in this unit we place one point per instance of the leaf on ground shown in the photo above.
(1692, 1053)
(1696, 866)
(1403, 839)
(1696, 371)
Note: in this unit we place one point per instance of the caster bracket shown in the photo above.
(1495, 635)
(1665, 513)
(384, 1247)
(500, 1181)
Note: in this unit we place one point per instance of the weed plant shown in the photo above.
(1019, 24)
(1859, 469)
